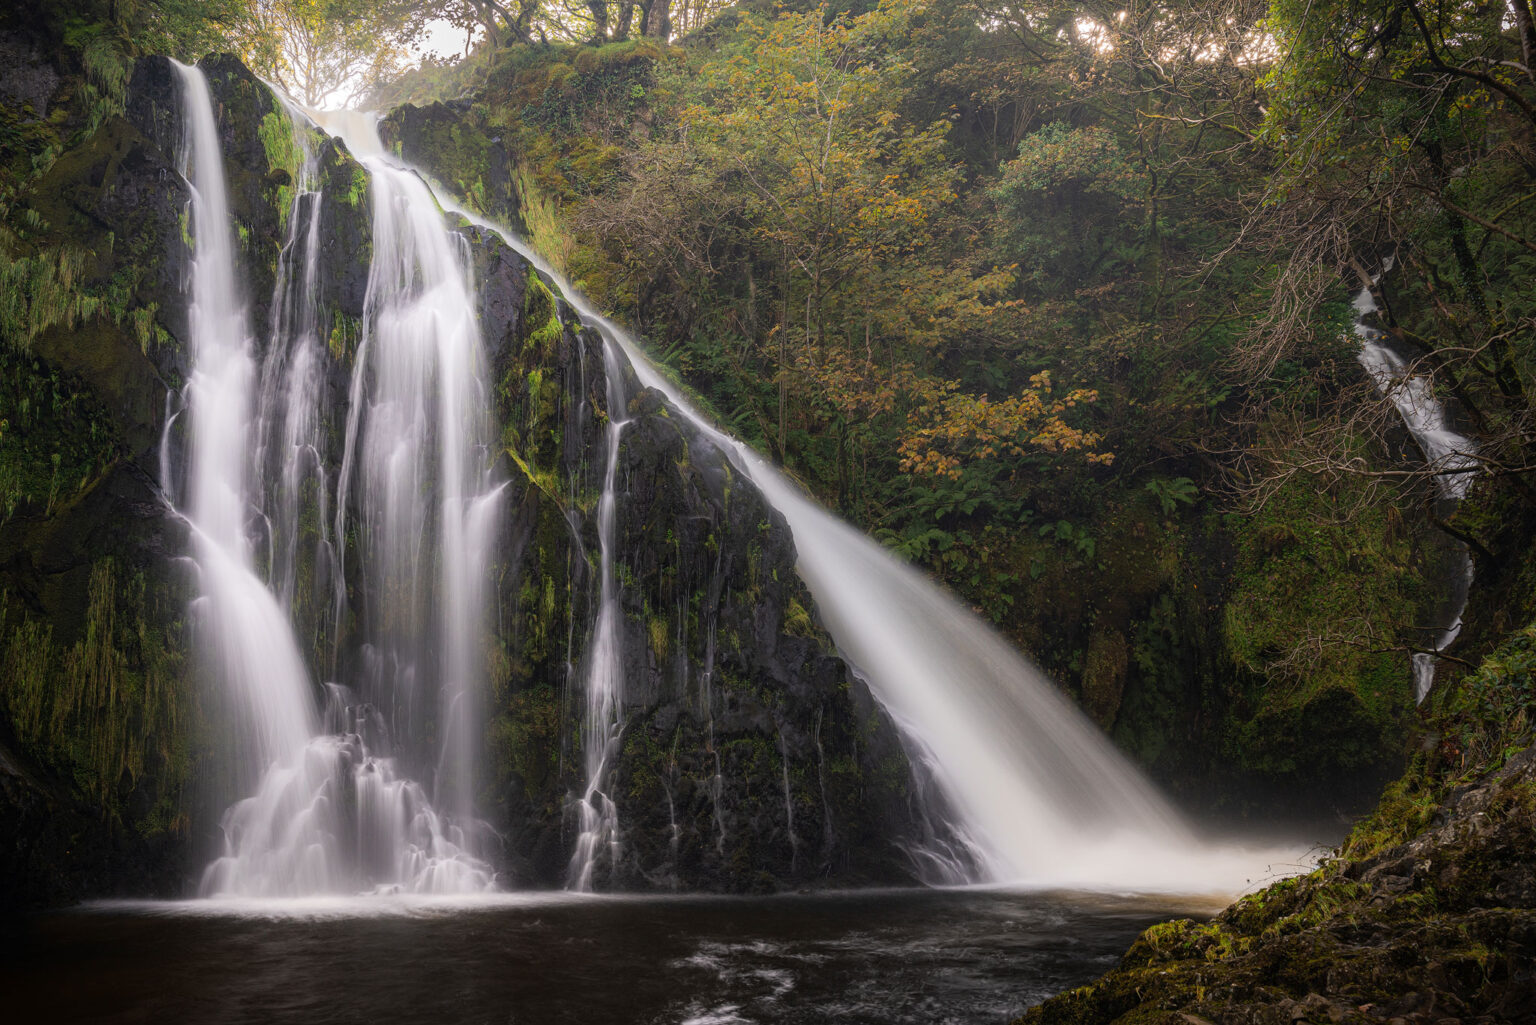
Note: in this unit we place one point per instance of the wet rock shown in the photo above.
(749, 758)
(456, 148)
(27, 80)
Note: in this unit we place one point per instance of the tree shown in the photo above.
(326, 52)
(502, 22)
(1405, 130)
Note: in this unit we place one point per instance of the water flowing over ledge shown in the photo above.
(1022, 787)
(330, 810)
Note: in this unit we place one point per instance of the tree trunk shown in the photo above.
(1526, 26)
(658, 20)
(599, 9)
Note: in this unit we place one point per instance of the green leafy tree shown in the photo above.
(326, 52)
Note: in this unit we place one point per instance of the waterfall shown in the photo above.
(1025, 788)
(1451, 454)
(330, 810)
(418, 456)
(599, 816)
(293, 414)
(241, 629)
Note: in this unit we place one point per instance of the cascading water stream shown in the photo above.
(419, 432)
(1029, 790)
(293, 416)
(1452, 455)
(241, 627)
(598, 815)
(329, 812)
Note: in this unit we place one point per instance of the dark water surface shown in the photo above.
(886, 957)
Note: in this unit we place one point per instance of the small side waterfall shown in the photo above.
(600, 735)
(1452, 455)
(293, 418)
(329, 809)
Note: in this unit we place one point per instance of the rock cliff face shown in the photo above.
(109, 739)
(750, 759)
(451, 144)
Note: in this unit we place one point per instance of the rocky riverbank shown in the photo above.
(1427, 913)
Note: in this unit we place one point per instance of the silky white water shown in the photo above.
(416, 471)
(329, 809)
(1451, 454)
(598, 815)
(1029, 791)
(242, 631)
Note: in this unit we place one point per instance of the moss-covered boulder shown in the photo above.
(1427, 913)
(453, 145)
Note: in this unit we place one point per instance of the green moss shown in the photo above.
(660, 635)
(540, 212)
(357, 190)
(111, 710)
(105, 88)
(797, 621)
(541, 326)
(345, 333)
(525, 737)
(284, 204)
(276, 132)
(41, 291)
(55, 441)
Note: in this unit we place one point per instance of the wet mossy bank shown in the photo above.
(1427, 912)
(751, 758)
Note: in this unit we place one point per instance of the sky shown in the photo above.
(443, 39)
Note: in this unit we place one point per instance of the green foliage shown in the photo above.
(1172, 493)
(42, 291)
(106, 76)
(541, 320)
(277, 135)
(1492, 712)
(1064, 202)
(1321, 583)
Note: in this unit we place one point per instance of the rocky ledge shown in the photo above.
(1439, 927)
